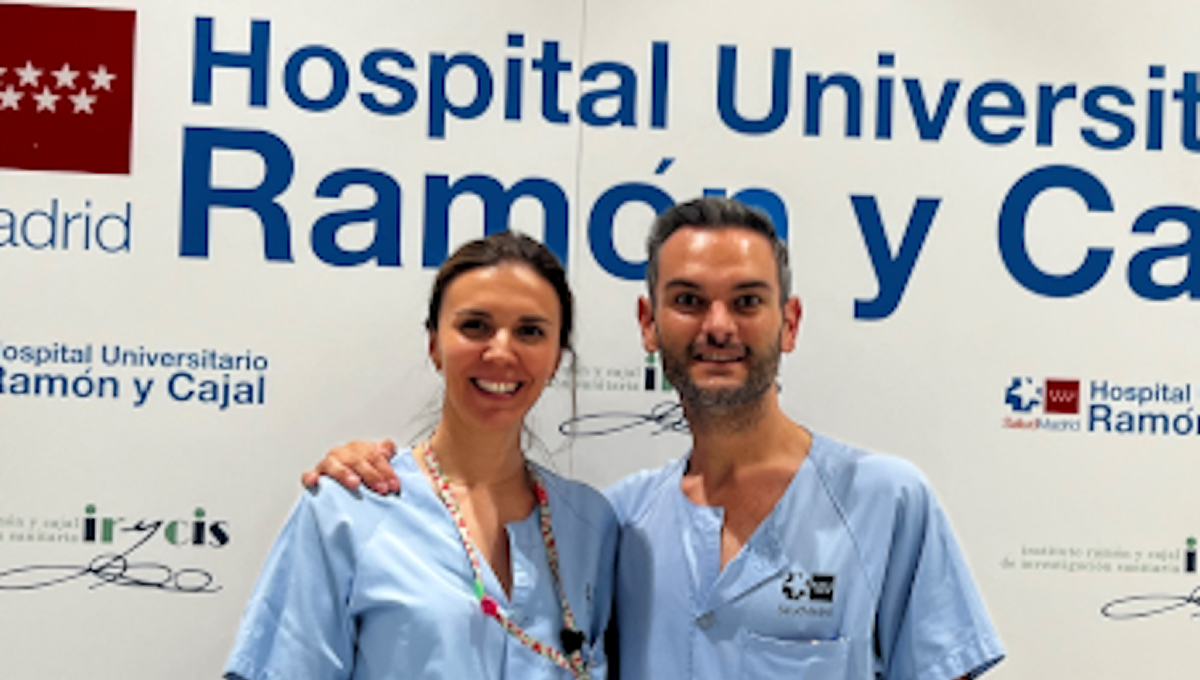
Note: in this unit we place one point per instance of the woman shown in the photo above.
(486, 566)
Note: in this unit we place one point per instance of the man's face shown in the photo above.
(717, 317)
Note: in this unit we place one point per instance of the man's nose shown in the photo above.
(718, 323)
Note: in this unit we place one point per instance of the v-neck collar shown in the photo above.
(759, 559)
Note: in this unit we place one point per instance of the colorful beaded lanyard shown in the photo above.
(572, 638)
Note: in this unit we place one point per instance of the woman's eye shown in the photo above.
(474, 328)
(531, 332)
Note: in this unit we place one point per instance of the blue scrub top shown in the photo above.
(376, 587)
(855, 575)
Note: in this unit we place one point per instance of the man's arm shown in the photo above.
(358, 462)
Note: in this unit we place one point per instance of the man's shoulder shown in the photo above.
(586, 504)
(633, 496)
(850, 471)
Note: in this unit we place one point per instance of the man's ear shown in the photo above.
(645, 313)
(791, 324)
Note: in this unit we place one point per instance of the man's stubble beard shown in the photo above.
(736, 406)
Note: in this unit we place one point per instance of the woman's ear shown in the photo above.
(434, 355)
(557, 363)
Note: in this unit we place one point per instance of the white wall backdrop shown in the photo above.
(991, 208)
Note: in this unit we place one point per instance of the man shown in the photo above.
(768, 551)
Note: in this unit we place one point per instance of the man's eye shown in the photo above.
(687, 300)
(748, 301)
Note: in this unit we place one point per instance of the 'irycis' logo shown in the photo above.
(197, 531)
(1161, 601)
(117, 567)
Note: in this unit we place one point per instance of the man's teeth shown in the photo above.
(497, 387)
(718, 358)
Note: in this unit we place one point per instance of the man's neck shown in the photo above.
(729, 448)
(743, 466)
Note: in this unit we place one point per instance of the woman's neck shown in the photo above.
(471, 459)
(488, 480)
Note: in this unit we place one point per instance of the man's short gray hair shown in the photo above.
(711, 212)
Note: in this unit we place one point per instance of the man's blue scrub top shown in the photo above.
(854, 575)
(373, 587)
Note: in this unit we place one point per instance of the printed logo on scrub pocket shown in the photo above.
(817, 588)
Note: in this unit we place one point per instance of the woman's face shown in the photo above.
(496, 344)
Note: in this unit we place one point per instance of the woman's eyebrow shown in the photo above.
(535, 318)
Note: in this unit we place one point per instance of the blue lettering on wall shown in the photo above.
(891, 271)
(1013, 242)
(200, 197)
(391, 81)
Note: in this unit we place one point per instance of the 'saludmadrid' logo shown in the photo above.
(1101, 406)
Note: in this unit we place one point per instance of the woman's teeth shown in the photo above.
(497, 387)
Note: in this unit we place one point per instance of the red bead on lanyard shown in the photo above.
(571, 637)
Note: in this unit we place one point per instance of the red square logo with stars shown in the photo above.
(66, 88)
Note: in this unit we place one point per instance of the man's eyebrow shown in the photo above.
(680, 283)
(752, 284)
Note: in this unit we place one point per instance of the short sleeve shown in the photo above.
(296, 625)
(932, 623)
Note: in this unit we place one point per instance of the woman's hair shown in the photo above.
(502, 248)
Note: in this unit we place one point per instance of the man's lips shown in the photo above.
(719, 357)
